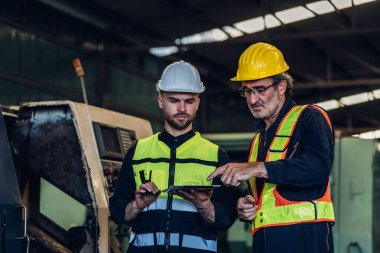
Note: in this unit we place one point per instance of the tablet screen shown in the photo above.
(192, 187)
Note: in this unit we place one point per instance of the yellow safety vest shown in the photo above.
(171, 220)
(273, 209)
(193, 161)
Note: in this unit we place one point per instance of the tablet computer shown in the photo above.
(192, 187)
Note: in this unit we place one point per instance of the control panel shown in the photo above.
(111, 170)
(113, 144)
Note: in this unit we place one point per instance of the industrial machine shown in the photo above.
(68, 159)
(12, 229)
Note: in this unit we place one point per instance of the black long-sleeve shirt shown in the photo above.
(305, 175)
(224, 199)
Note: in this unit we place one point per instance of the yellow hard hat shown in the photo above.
(259, 61)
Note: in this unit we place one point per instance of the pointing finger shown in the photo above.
(217, 172)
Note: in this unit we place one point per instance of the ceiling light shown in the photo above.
(355, 99)
(376, 93)
(251, 25)
(163, 51)
(271, 21)
(321, 7)
(358, 2)
(217, 35)
(177, 42)
(232, 31)
(342, 4)
(329, 105)
(192, 39)
(205, 37)
(370, 135)
(294, 14)
(268, 21)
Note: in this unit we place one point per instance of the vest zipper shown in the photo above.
(327, 237)
(265, 240)
(262, 144)
(265, 138)
(170, 198)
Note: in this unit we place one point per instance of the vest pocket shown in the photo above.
(281, 201)
(145, 223)
(157, 176)
(195, 234)
(145, 229)
(160, 179)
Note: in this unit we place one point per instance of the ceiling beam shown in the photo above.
(74, 95)
(316, 84)
(292, 36)
(342, 131)
(337, 83)
(362, 62)
(368, 119)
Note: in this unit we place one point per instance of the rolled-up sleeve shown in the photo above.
(125, 190)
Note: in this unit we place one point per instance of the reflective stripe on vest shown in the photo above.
(273, 209)
(177, 205)
(188, 241)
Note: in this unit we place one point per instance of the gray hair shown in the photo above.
(289, 79)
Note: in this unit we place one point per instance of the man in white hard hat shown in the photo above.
(180, 220)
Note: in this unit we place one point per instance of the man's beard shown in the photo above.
(270, 111)
(178, 126)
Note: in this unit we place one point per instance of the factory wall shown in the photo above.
(38, 44)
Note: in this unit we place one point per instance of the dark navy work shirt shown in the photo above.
(305, 175)
(224, 198)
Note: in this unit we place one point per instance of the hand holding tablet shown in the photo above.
(191, 187)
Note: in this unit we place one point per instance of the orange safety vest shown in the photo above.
(273, 209)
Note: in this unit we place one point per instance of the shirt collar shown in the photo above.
(288, 104)
(175, 141)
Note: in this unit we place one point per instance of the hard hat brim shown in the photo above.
(183, 90)
(238, 79)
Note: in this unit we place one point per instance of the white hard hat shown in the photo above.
(180, 76)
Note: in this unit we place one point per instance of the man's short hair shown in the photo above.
(289, 79)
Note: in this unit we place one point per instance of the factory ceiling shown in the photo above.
(332, 47)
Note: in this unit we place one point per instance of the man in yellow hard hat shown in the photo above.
(177, 221)
(289, 162)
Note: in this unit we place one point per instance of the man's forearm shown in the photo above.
(131, 211)
(260, 170)
(207, 211)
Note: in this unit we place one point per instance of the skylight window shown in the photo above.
(271, 21)
(342, 4)
(205, 37)
(268, 21)
(163, 51)
(294, 14)
(251, 25)
(369, 135)
(376, 94)
(329, 105)
(358, 2)
(232, 31)
(355, 99)
(321, 7)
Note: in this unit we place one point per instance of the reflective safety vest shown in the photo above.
(171, 221)
(273, 209)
